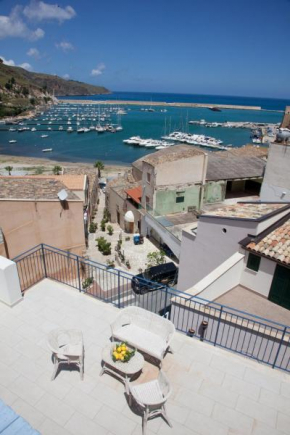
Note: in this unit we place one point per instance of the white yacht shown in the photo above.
(134, 140)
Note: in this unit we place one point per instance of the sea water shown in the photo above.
(109, 147)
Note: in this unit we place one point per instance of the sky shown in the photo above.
(220, 47)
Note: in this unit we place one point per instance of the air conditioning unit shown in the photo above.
(191, 208)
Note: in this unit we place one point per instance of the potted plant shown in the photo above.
(87, 283)
(103, 225)
(93, 227)
(111, 264)
(110, 230)
(128, 264)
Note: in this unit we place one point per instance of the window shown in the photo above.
(253, 262)
(147, 200)
(179, 199)
(148, 177)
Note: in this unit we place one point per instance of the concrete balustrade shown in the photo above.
(10, 291)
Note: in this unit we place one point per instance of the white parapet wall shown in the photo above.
(220, 280)
(10, 291)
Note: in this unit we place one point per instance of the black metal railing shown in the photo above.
(252, 336)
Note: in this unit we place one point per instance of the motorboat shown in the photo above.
(47, 150)
(13, 141)
(43, 136)
(134, 140)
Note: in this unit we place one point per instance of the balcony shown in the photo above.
(214, 391)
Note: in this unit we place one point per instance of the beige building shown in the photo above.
(119, 202)
(168, 181)
(31, 213)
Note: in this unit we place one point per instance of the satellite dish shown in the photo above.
(62, 195)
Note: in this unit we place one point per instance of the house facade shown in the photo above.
(31, 213)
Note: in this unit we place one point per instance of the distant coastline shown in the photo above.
(158, 103)
(202, 100)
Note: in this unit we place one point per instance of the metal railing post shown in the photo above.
(165, 305)
(218, 326)
(279, 348)
(119, 290)
(44, 262)
(79, 278)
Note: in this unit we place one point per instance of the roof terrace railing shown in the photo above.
(261, 339)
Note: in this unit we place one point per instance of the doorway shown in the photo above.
(280, 288)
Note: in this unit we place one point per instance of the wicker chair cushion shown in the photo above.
(142, 339)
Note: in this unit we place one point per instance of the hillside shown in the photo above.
(21, 90)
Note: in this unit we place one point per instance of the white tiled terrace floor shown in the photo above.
(214, 391)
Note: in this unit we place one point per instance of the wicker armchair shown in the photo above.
(151, 397)
(67, 348)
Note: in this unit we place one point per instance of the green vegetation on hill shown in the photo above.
(21, 90)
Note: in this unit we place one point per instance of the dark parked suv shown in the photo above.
(164, 274)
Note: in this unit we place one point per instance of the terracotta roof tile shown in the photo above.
(275, 245)
(29, 188)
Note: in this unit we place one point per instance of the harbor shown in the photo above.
(86, 132)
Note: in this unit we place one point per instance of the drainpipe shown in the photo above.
(204, 169)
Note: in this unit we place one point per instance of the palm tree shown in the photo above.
(56, 170)
(99, 165)
(9, 169)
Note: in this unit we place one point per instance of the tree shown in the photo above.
(155, 258)
(32, 101)
(9, 169)
(25, 91)
(56, 170)
(12, 81)
(99, 165)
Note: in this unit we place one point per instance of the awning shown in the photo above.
(135, 194)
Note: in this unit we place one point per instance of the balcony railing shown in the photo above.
(257, 338)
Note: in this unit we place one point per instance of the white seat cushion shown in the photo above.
(142, 339)
(148, 393)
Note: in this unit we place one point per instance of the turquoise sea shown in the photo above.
(109, 147)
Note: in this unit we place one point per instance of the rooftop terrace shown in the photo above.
(214, 391)
(250, 210)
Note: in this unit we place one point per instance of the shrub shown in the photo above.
(119, 244)
(107, 250)
(87, 282)
(106, 215)
(100, 242)
(110, 230)
(104, 246)
(121, 256)
(103, 225)
(93, 227)
(56, 170)
(127, 239)
(155, 258)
